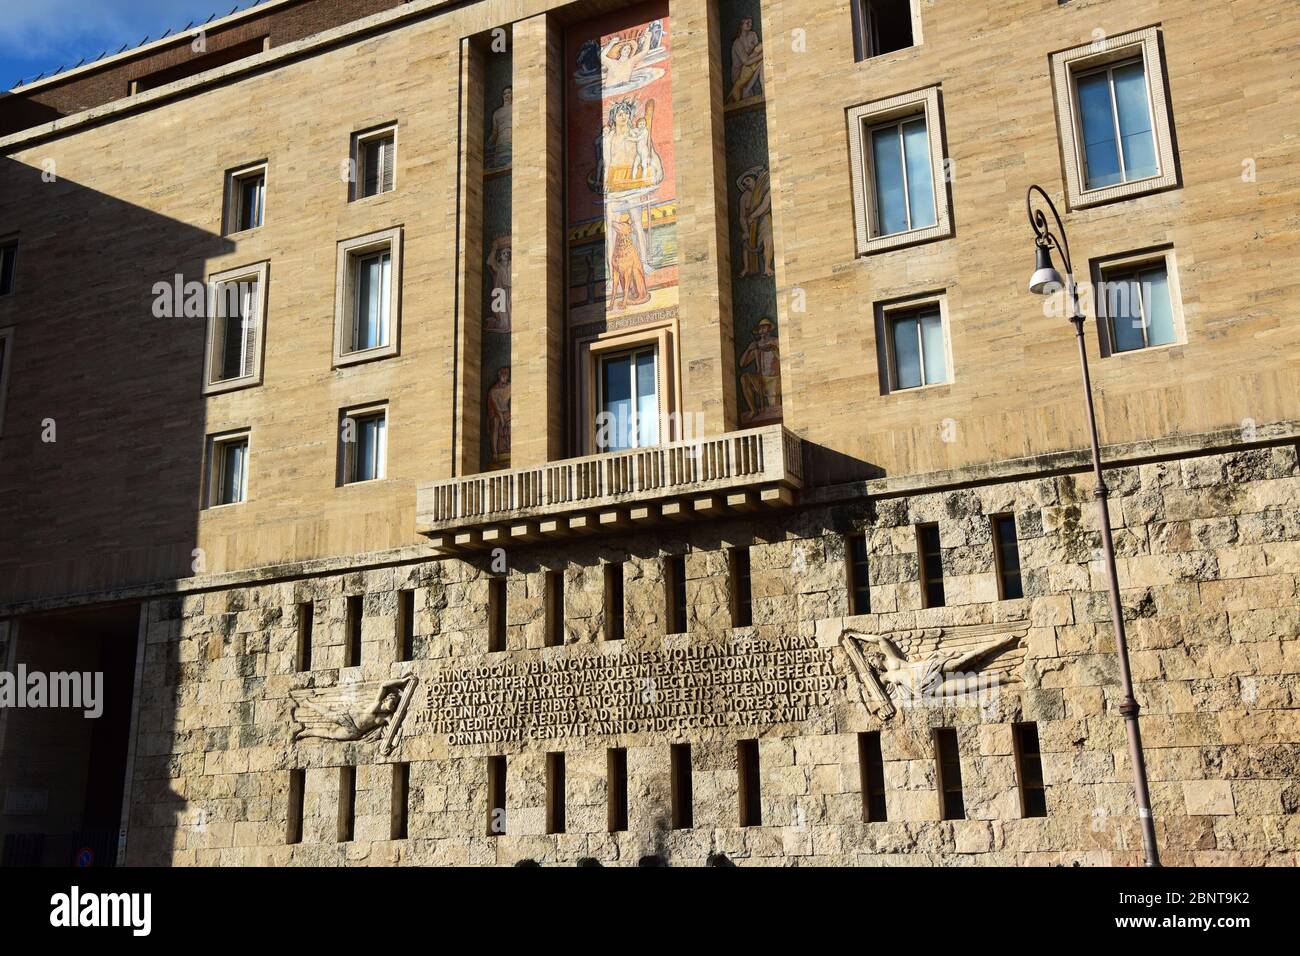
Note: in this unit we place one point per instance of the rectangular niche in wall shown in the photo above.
(749, 205)
(498, 72)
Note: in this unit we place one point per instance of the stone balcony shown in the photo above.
(701, 477)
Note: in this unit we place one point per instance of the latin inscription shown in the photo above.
(703, 686)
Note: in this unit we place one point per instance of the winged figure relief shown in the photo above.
(907, 667)
(361, 711)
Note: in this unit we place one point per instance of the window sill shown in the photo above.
(898, 240)
(232, 384)
(918, 388)
(1121, 191)
(367, 355)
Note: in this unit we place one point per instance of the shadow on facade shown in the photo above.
(101, 466)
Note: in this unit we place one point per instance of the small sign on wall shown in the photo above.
(26, 801)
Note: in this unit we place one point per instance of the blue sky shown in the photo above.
(40, 35)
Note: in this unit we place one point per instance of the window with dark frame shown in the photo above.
(675, 593)
(748, 768)
(306, 614)
(364, 445)
(1138, 306)
(555, 792)
(948, 763)
(246, 195)
(918, 350)
(228, 474)
(871, 766)
(1006, 553)
(616, 785)
(354, 615)
(8, 261)
(405, 624)
(683, 798)
(555, 609)
(296, 795)
(497, 614)
(855, 554)
(1029, 770)
(400, 801)
(614, 608)
(347, 804)
(742, 591)
(882, 26)
(496, 806)
(931, 564)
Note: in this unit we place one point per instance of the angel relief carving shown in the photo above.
(360, 711)
(932, 666)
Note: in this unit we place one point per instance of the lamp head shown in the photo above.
(1045, 280)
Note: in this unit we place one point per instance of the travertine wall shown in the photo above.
(1210, 557)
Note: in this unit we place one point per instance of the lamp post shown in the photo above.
(1045, 281)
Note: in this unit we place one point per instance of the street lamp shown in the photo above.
(1046, 281)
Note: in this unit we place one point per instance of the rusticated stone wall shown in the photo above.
(1210, 555)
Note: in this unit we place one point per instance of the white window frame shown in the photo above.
(234, 196)
(217, 447)
(6, 362)
(359, 142)
(862, 31)
(1103, 269)
(870, 116)
(588, 354)
(350, 254)
(347, 461)
(1067, 67)
(632, 352)
(887, 315)
(261, 273)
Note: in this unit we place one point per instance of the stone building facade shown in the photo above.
(800, 607)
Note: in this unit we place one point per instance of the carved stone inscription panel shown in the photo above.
(657, 691)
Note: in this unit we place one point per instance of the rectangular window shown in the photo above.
(682, 797)
(1029, 770)
(871, 766)
(918, 348)
(1006, 553)
(628, 401)
(353, 650)
(227, 469)
(8, 260)
(675, 593)
(616, 783)
(931, 565)
(948, 763)
(742, 591)
(374, 154)
(555, 793)
(855, 553)
(363, 443)
(1139, 306)
(751, 794)
(497, 614)
(297, 788)
(882, 26)
(347, 803)
(614, 607)
(555, 609)
(898, 173)
(496, 807)
(1116, 134)
(6, 359)
(405, 624)
(306, 612)
(236, 303)
(400, 801)
(245, 198)
(367, 296)
(1114, 118)
(902, 177)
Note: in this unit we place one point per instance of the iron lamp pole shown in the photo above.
(1045, 281)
